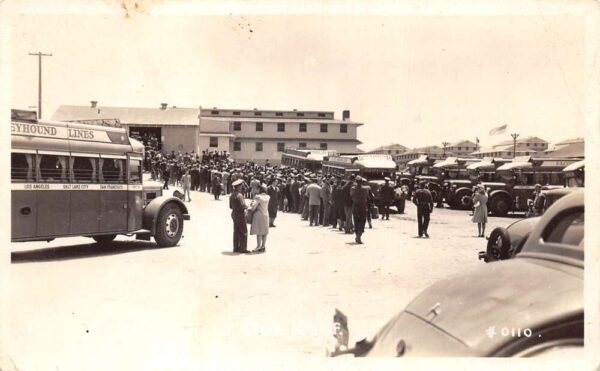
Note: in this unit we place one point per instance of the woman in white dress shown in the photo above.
(260, 218)
(480, 210)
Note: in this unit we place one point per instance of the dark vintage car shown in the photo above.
(528, 306)
(505, 243)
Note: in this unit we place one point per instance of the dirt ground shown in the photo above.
(132, 305)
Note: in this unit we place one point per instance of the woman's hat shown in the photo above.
(237, 182)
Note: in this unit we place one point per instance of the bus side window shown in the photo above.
(112, 170)
(83, 169)
(21, 169)
(52, 168)
(135, 172)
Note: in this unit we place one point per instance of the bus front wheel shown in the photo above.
(169, 226)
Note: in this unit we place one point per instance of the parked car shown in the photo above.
(505, 243)
(528, 306)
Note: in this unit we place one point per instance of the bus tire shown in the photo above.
(498, 245)
(169, 226)
(104, 239)
(463, 200)
(500, 205)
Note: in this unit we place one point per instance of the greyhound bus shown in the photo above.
(70, 179)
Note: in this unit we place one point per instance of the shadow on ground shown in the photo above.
(81, 251)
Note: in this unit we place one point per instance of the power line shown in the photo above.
(40, 55)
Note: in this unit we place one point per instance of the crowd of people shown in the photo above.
(345, 203)
(320, 199)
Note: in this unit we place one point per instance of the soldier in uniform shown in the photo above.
(387, 197)
(360, 200)
(424, 202)
(240, 228)
(539, 200)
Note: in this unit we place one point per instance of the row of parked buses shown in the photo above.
(510, 182)
(71, 179)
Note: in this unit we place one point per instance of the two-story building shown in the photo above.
(390, 149)
(260, 135)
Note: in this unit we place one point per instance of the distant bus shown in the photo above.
(301, 158)
(369, 166)
(71, 179)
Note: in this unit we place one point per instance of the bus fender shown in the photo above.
(152, 210)
(499, 192)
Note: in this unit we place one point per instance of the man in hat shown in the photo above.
(539, 200)
(386, 193)
(424, 202)
(186, 183)
(314, 201)
(238, 207)
(326, 199)
(360, 201)
(348, 225)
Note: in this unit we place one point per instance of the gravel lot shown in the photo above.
(131, 305)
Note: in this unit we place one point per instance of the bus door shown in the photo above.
(53, 197)
(135, 194)
(85, 193)
(113, 193)
(23, 196)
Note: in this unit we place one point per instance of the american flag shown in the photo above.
(498, 130)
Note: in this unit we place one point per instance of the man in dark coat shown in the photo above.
(240, 228)
(360, 200)
(348, 225)
(386, 192)
(273, 193)
(424, 202)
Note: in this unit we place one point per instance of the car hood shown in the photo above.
(519, 293)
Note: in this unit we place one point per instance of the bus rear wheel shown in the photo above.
(464, 200)
(500, 205)
(104, 239)
(169, 226)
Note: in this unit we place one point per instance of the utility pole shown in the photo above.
(40, 55)
(445, 144)
(514, 136)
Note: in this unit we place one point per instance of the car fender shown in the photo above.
(152, 210)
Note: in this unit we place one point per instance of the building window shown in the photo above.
(389, 151)
(302, 145)
(300, 114)
(214, 112)
(237, 146)
(321, 115)
(323, 146)
(236, 113)
(343, 128)
(280, 147)
(257, 113)
(237, 126)
(528, 144)
(279, 114)
(214, 142)
(397, 151)
(280, 126)
(259, 147)
(323, 128)
(302, 127)
(535, 144)
(459, 148)
(259, 126)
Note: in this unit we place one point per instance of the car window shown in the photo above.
(566, 228)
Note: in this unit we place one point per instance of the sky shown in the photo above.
(414, 79)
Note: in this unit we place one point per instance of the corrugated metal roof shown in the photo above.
(130, 115)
